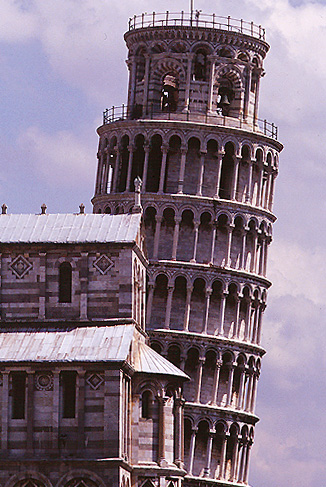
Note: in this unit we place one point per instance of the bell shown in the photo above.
(224, 101)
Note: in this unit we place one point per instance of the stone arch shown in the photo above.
(76, 478)
(28, 478)
(166, 234)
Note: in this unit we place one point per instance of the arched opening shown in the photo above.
(204, 246)
(150, 226)
(227, 362)
(187, 441)
(197, 306)
(172, 165)
(242, 189)
(65, 282)
(146, 404)
(137, 160)
(174, 355)
(237, 243)
(257, 168)
(159, 302)
(230, 452)
(200, 65)
(221, 242)
(170, 94)
(178, 303)
(219, 438)
(237, 378)
(225, 95)
(191, 176)
(243, 313)
(210, 173)
(157, 347)
(154, 164)
(227, 172)
(214, 308)
(166, 235)
(191, 366)
(208, 377)
(186, 237)
(201, 449)
(124, 160)
(231, 311)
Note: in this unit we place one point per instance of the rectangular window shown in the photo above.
(18, 395)
(68, 386)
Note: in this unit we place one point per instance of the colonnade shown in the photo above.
(213, 452)
(177, 167)
(218, 242)
(206, 309)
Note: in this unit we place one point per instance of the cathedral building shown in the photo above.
(130, 339)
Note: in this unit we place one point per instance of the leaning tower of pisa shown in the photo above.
(191, 132)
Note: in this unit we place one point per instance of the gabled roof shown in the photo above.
(69, 228)
(84, 344)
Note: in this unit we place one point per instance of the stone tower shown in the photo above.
(208, 164)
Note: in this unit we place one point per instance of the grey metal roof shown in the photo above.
(151, 362)
(87, 344)
(69, 228)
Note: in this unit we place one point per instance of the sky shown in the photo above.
(62, 63)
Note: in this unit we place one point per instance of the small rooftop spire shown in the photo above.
(81, 208)
(43, 209)
(4, 208)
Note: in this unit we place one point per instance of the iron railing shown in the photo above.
(115, 114)
(196, 19)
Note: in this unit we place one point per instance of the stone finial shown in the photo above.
(81, 209)
(43, 209)
(137, 208)
(4, 208)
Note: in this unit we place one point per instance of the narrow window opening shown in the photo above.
(68, 384)
(18, 394)
(65, 282)
(146, 403)
(169, 99)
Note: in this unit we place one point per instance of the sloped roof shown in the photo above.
(83, 344)
(69, 228)
(151, 362)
